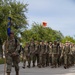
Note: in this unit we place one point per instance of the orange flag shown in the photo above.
(44, 24)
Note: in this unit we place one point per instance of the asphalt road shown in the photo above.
(41, 71)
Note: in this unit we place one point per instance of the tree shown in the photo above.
(16, 11)
(68, 38)
(38, 32)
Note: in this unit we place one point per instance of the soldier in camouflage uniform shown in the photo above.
(61, 61)
(54, 54)
(12, 48)
(66, 53)
(73, 54)
(47, 53)
(37, 52)
(26, 56)
(50, 53)
(70, 54)
(59, 53)
(42, 55)
(32, 52)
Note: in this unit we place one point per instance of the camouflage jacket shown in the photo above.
(11, 46)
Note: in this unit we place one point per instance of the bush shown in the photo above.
(2, 61)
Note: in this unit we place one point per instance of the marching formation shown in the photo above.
(53, 54)
(49, 54)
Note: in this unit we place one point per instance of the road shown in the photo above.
(41, 71)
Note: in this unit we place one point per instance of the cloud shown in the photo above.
(59, 14)
(66, 26)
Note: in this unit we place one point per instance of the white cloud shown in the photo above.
(59, 14)
(66, 26)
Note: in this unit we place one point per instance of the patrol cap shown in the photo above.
(42, 40)
(27, 42)
(9, 18)
(55, 41)
(50, 42)
(32, 40)
(66, 41)
(36, 41)
(11, 32)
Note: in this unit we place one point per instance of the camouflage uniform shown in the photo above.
(26, 56)
(54, 54)
(73, 54)
(66, 56)
(37, 52)
(12, 55)
(59, 54)
(32, 52)
(50, 53)
(61, 59)
(47, 54)
(42, 55)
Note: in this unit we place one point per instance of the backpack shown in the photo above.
(16, 46)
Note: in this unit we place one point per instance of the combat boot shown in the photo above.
(52, 66)
(28, 65)
(23, 66)
(39, 65)
(55, 65)
(65, 66)
(17, 72)
(12, 65)
(8, 73)
(33, 65)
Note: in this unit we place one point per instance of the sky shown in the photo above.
(59, 14)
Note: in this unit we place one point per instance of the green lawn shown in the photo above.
(2, 61)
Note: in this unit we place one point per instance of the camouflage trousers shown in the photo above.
(72, 59)
(50, 59)
(9, 60)
(54, 59)
(67, 59)
(37, 58)
(59, 60)
(28, 59)
(34, 58)
(42, 60)
(47, 59)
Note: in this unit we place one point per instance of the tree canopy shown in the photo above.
(39, 33)
(16, 11)
(68, 38)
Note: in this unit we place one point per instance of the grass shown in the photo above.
(2, 61)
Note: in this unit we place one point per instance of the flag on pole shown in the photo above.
(9, 26)
(44, 24)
